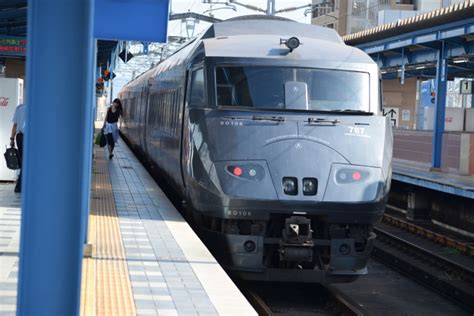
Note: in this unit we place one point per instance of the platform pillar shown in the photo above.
(57, 153)
(439, 118)
(418, 206)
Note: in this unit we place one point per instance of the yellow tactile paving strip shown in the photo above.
(106, 288)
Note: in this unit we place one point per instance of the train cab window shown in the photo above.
(196, 95)
(264, 87)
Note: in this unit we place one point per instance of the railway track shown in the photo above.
(436, 237)
(445, 276)
(300, 299)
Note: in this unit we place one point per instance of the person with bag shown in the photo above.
(100, 139)
(18, 129)
(110, 128)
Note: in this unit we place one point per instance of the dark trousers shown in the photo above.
(19, 145)
(110, 141)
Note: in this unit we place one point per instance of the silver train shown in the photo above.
(269, 131)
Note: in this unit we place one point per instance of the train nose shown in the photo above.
(300, 168)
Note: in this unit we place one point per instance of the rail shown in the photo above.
(429, 234)
(444, 276)
(257, 302)
(343, 303)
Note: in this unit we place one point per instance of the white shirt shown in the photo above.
(19, 118)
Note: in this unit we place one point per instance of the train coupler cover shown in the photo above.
(297, 241)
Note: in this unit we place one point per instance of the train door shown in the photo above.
(194, 100)
(185, 140)
(143, 117)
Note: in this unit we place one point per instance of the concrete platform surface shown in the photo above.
(171, 271)
(10, 204)
(137, 233)
(436, 180)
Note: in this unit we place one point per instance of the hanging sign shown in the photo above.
(12, 46)
(392, 113)
(131, 20)
(466, 87)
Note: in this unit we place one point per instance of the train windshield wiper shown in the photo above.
(351, 111)
(256, 118)
(268, 118)
(322, 121)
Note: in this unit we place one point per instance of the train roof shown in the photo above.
(258, 36)
(268, 46)
(258, 24)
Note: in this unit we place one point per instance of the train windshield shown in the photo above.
(269, 87)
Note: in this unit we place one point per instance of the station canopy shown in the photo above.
(413, 43)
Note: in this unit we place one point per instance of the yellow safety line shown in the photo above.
(106, 287)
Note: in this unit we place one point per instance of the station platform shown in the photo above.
(143, 258)
(415, 174)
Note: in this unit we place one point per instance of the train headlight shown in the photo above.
(292, 43)
(310, 186)
(290, 185)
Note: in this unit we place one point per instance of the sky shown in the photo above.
(181, 6)
(139, 64)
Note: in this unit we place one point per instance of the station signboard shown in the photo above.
(131, 20)
(466, 87)
(392, 113)
(12, 46)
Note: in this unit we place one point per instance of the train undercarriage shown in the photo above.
(290, 248)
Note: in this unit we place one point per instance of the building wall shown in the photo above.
(363, 14)
(358, 15)
(403, 97)
(342, 15)
(389, 16)
(323, 16)
(415, 146)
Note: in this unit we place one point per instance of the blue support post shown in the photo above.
(472, 97)
(57, 150)
(402, 74)
(91, 113)
(441, 89)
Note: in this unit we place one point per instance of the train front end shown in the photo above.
(288, 163)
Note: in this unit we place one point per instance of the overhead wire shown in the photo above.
(189, 7)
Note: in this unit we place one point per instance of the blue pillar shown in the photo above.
(91, 105)
(441, 88)
(57, 145)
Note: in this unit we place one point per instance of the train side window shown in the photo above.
(196, 95)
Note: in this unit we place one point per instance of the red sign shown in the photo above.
(3, 101)
(13, 46)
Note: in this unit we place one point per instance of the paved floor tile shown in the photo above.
(10, 217)
(148, 240)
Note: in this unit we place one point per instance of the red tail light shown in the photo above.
(237, 171)
(349, 175)
(356, 176)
